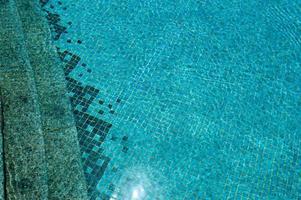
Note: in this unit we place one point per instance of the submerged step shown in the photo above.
(24, 152)
(65, 171)
(2, 179)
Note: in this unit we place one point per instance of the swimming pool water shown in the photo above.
(184, 99)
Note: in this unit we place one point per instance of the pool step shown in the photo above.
(65, 171)
(25, 176)
(43, 82)
(2, 188)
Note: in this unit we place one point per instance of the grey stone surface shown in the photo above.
(2, 186)
(66, 164)
(56, 113)
(65, 172)
(24, 150)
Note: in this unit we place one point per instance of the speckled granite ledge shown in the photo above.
(24, 150)
(2, 188)
(65, 172)
(34, 97)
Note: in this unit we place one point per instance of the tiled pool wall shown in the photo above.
(189, 99)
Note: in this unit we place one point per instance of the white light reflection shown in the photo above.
(138, 193)
(137, 183)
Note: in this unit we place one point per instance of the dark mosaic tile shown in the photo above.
(43, 2)
(54, 20)
(82, 96)
(125, 138)
(125, 149)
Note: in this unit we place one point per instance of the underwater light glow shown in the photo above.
(138, 193)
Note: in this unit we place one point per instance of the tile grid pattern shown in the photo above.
(92, 130)
(273, 169)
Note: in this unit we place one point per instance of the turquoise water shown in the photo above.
(203, 97)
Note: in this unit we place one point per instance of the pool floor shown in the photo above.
(182, 99)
